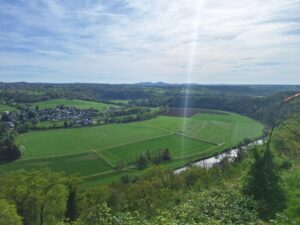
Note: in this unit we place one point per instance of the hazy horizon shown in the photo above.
(130, 41)
(155, 83)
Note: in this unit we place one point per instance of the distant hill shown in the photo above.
(155, 84)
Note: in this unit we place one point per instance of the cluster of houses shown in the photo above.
(60, 113)
(29, 117)
(64, 113)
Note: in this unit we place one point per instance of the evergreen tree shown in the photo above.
(142, 162)
(71, 212)
(72, 204)
(263, 184)
(166, 156)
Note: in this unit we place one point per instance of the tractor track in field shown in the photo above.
(98, 153)
(196, 139)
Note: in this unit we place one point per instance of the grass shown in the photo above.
(81, 104)
(175, 143)
(4, 108)
(229, 128)
(70, 141)
(94, 151)
(83, 164)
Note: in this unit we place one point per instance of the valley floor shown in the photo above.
(94, 152)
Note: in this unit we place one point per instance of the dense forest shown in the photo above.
(256, 101)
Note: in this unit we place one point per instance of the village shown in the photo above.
(61, 116)
(74, 116)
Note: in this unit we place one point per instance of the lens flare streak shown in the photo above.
(190, 66)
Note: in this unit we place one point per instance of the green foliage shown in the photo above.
(200, 178)
(8, 150)
(72, 211)
(125, 179)
(157, 157)
(97, 215)
(94, 196)
(8, 214)
(223, 205)
(263, 184)
(287, 143)
(40, 196)
(142, 162)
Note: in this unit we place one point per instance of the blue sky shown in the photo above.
(127, 41)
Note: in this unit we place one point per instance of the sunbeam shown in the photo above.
(190, 66)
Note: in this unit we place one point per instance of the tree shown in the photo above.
(40, 196)
(8, 150)
(218, 205)
(72, 206)
(8, 214)
(48, 194)
(263, 184)
(66, 125)
(97, 215)
(166, 156)
(125, 179)
(142, 162)
(13, 153)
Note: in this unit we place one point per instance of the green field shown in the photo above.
(180, 146)
(94, 151)
(81, 104)
(83, 164)
(69, 141)
(4, 108)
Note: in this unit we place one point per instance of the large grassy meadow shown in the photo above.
(94, 151)
(83, 164)
(179, 146)
(76, 140)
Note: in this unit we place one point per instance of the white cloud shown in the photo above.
(247, 41)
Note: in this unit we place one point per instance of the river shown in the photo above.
(210, 162)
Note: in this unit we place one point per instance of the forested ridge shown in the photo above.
(256, 101)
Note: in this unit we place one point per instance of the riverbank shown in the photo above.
(230, 155)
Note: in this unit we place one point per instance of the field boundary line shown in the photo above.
(196, 154)
(56, 156)
(85, 152)
(99, 174)
(103, 158)
(117, 172)
(159, 128)
(196, 139)
(148, 139)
